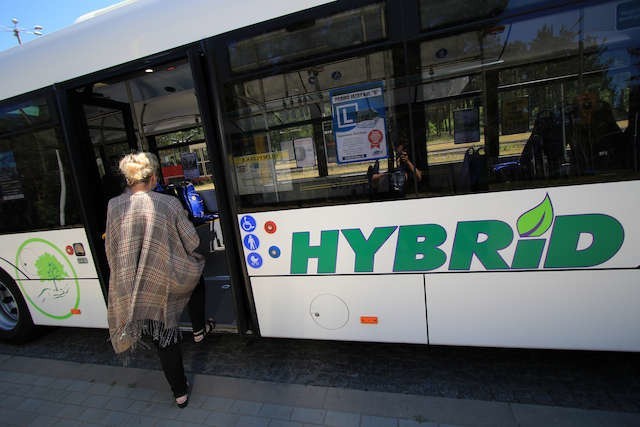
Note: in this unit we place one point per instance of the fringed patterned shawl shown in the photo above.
(150, 246)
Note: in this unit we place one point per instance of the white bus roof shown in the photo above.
(138, 28)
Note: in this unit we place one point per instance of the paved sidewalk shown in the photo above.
(44, 392)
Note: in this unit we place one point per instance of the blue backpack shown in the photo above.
(191, 200)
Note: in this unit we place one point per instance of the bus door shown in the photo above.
(111, 132)
(104, 131)
(156, 110)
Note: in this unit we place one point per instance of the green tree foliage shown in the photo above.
(49, 268)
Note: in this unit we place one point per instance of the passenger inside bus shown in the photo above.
(396, 180)
(597, 141)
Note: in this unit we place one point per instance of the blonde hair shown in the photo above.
(139, 167)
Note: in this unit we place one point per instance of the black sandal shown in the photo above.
(209, 326)
(183, 401)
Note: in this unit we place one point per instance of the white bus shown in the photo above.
(414, 171)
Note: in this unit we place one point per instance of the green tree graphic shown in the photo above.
(49, 268)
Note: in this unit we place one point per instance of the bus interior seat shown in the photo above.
(210, 202)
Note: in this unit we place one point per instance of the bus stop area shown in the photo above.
(43, 392)
(71, 377)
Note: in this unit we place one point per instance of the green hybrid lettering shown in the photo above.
(365, 249)
(498, 235)
(326, 252)
(528, 254)
(607, 236)
(417, 248)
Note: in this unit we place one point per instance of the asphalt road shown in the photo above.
(589, 380)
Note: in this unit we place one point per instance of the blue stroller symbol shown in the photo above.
(254, 260)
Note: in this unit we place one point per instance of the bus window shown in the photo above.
(36, 189)
(451, 96)
(311, 38)
(565, 113)
(545, 100)
(435, 14)
(174, 148)
(282, 137)
(23, 115)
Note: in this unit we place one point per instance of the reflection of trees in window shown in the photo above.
(180, 137)
(547, 47)
(558, 56)
(440, 124)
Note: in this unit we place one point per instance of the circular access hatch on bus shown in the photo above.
(329, 311)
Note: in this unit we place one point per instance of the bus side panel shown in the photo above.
(55, 273)
(380, 308)
(73, 303)
(594, 310)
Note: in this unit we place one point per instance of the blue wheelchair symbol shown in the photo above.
(251, 242)
(254, 260)
(248, 223)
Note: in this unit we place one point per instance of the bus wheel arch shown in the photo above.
(16, 324)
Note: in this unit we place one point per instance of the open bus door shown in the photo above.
(104, 132)
(161, 110)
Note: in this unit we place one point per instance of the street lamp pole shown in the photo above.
(16, 30)
(37, 30)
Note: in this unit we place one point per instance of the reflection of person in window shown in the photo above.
(396, 180)
(596, 135)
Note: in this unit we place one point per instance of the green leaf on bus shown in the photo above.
(537, 221)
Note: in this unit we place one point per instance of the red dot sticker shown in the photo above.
(69, 249)
(270, 227)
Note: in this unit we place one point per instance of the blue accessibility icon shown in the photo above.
(248, 223)
(251, 242)
(254, 260)
(274, 252)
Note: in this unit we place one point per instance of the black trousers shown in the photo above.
(171, 356)
(173, 368)
(195, 306)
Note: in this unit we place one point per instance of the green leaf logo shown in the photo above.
(537, 221)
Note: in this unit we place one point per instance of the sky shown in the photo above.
(52, 15)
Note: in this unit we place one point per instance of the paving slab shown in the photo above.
(98, 394)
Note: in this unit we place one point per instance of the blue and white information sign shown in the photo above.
(359, 125)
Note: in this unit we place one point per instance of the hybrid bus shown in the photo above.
(409, 171)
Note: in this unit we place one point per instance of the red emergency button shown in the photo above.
(270, 227)
(69, 249)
